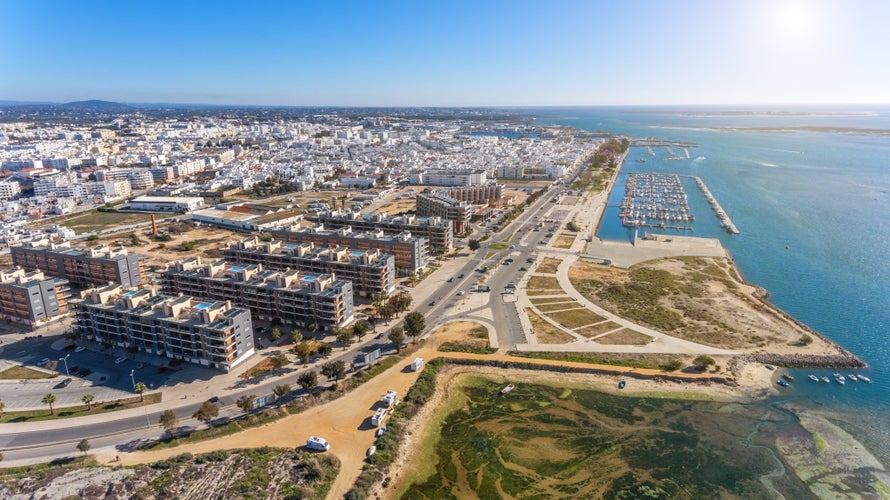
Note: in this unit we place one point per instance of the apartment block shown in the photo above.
(31, 298)
(411, 254)
(489, 194)
(81, 266)
(438, 204)
(370, 271)
(437, 231)
(203, 332)
(294, 297)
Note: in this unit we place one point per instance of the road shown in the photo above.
(43, 441)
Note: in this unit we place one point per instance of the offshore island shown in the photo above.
(623, 369)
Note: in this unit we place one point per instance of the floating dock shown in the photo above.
(655, 201)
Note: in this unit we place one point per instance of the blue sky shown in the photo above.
(448, 53)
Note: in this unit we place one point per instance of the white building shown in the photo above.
(9, 190)
(166, 204)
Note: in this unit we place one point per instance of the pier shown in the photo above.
(725, 222)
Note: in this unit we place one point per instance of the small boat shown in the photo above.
(813, 377)
(508, 389)
(788, 377)
(852, 377)
(622, 383)
(769, 367)
(372, 450)
(782, 383)
(864, 379)
(826, 379)
(840, 379)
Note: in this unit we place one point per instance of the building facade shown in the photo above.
(436, 230)
(439, 204)
(31, 298)
(411, 254)
(293, 297)
(206, 333)
(370, 271)
(84, 267)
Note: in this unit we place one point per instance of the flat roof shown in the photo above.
(165, 199)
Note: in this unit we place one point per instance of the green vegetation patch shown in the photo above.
(23, 372)
(625, 336)
(79, 411)
(666, 362)
(548, 265)
(576, 318)
(95, 220)
(498, 246)
(543, 442)
(477, 343)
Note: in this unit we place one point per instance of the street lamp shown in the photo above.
(65, 360)
(133, 379)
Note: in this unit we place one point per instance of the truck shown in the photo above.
(378, 417)
(390, 398)
(417, 364)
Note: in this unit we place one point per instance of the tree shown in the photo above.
(344, 336)
(49, 399)
(325, 349)
(2, 408)
(279, 360)
(335, 369)
(168, 421)
(281, 390)
(397, 336)
(296, 336)
(246, 402)
(84, 446)
(304, 350)
(474, 245)
(414, 324)
(87, 399)
(806, 340)
(207, 412)
(140, 389)
(360, 328)
(701, 363)
(308, 380)
(276, 334)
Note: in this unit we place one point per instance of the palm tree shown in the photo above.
(49, 399)
(139, 389)
(87, 399)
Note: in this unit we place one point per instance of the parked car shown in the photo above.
(81, 348)
(119, 360)
(43, 361)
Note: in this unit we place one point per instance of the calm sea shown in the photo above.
(813, 208)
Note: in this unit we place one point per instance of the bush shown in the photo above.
(673, 365)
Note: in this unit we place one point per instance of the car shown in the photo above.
(512, 247)
(523, 269)
(432, 303)
(460, 276)
(119, 360)
(141, 365)
(450, 280)
(81, 348)
(43, 361)
(65, 382)
(460, 293)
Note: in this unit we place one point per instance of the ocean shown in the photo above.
(809, 189)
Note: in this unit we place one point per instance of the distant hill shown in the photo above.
(97, 105)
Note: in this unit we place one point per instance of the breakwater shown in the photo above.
(725, 222)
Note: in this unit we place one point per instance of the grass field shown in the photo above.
(548, 266)
(625, 336)
(598, 329)
(576, 318)
(551, 300)
(565, 441)
(543, 283)
(558, 306)
(23, 372)
(97, 221)
(564, 241)
(547, 333)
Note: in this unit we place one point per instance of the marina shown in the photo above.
(655, 200)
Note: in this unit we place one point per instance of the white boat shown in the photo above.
(813, 377)
(852, 377)
(372, 450)
(318, 444)
(826, 379)
(508, 389)
(865, 379)
(840, 379)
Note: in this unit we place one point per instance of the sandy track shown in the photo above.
(345, 422)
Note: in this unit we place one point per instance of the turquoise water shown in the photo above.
(823, 195)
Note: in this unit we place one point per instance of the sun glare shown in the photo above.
(793, 23)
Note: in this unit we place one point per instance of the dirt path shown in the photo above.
(345, 422)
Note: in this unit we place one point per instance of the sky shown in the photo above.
(447, 53)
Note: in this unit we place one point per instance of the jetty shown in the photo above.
(725, 222)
